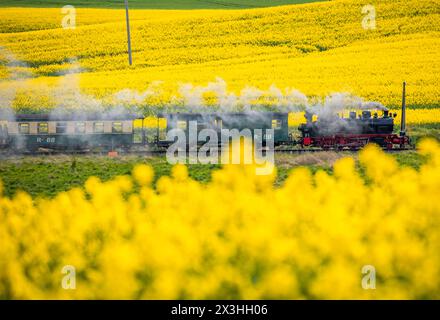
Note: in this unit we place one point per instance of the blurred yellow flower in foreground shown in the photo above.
(236, 237)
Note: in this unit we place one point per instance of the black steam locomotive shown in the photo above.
(334, 132)
(352, 132)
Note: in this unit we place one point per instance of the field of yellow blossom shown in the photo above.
(235, 237)
(144, 233)
(315, 48)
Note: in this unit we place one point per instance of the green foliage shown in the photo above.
(46, 176)
(417, 132)
(153, 4)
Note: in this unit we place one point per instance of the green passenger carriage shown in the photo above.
(34, 131)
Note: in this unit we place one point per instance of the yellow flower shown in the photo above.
(180, 172)
(143, 174)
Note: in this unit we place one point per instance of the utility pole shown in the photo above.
(130, 60)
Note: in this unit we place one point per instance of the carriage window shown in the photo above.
(162, 123)
(117, 127)
(61, 127)
(162, 128)
(80, 127)
(276, 124)
(98, 127)
(181, 125)
(218, 123)
(43, 127)
(23, 128)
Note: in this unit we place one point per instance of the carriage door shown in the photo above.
(162, 124)
(3, 134)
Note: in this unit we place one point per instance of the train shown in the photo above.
(97, 131)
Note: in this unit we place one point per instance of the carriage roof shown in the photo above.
(75, 117)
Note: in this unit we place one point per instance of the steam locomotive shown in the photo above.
(356, 131)
(32, 132)
(353, 132)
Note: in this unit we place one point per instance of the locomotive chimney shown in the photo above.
(402, 122)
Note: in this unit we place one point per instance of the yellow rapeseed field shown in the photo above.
(316, 48)
(236, 237)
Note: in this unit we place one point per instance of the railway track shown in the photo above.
(6, 153)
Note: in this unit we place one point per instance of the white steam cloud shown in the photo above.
(276, 99)
(249, 99)
(337, 102)
(129, 96)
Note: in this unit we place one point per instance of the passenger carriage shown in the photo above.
(278, 121)
(34, 131)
